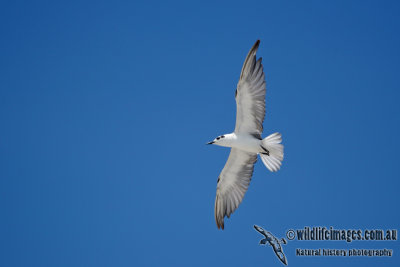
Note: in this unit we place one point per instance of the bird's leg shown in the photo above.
(266, 151)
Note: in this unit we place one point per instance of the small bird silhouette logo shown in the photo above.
(274, 242)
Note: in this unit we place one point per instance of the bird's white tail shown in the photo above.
(273, 157)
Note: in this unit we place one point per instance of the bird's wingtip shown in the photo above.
(251, 57)
(255, 46)
(219, 217)
(220, 226)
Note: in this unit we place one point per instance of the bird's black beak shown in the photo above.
(210, 143)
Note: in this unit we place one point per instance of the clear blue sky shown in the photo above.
(105, 109)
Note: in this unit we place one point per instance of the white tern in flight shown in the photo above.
(246, 142)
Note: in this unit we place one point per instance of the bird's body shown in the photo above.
(242, 141)
(246, 142)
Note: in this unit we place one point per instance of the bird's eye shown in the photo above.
(222, 136)
(217, 138)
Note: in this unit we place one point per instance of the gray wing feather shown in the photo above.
(250, 95)
(233, 183)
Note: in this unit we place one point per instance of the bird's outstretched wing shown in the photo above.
(233, 183)
(250, 95)
(260, 230)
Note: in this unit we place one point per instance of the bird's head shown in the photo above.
(220, 141)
